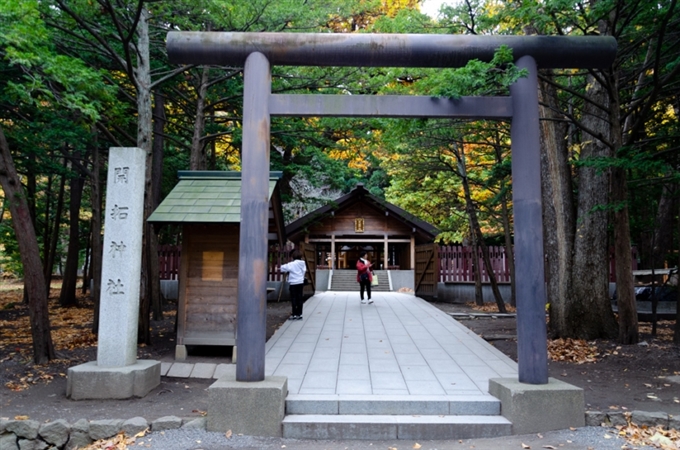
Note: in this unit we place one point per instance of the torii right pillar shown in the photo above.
(534, 402)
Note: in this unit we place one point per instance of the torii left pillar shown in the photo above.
(247, 401)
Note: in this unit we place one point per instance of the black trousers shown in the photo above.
(365, 285)
(296, 298)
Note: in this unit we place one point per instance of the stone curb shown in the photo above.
(640, 418)
(59, 434)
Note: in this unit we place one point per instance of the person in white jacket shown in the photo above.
(296, 278)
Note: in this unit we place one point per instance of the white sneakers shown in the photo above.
(363, 302)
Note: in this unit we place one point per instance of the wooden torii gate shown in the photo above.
(258, 51)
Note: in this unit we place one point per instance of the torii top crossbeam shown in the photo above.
(256, 52)
(386, 50)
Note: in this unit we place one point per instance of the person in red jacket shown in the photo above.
(364, 276)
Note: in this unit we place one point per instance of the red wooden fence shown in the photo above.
(277, 257)
(456, 263)
(168, 261)
(169, 257)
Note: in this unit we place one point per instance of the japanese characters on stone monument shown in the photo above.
(118, 373)
(121, 266)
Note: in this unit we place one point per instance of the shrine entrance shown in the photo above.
(360, 221)
(256, 52)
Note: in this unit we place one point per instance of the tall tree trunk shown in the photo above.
(87, 265)
(507, 232)
(509, 250)
(625, 286)
(487, 263)
(676, 334)
(34, 280)
(97, 247)
(51, 251)
(479, 292)
(589, 313)
(30, 199)
(31, 187)
(198, 159)
(158, 141)
(46, 231)
(558, 208)
(477, 233)
(625, 291)
(70, 280)
(663, 231)
(150, 282)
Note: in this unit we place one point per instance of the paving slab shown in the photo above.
(180, 370)
(203, 370)
(398, 345)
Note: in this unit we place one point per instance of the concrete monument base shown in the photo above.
(90, 381)
(533, 408)
(180, 353)
(254, 408)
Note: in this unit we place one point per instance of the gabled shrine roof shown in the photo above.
(426, 231)
(206, 197)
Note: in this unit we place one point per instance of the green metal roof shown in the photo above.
(205, 197)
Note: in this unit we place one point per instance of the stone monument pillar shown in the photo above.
(117, 373)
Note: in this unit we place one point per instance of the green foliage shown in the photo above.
(406, 21)
(47, 77)
(477, 78)
(10, 259)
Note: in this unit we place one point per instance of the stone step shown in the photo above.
(346, 280)
(478, 405)
(386, 427)
(355, 287)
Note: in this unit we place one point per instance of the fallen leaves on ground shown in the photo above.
(656, 437)
(664, 329)
(491, 307)
(118, 442)
(572, 350)
(71, 329)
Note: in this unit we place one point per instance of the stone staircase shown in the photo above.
(346, 280)
(393, 417)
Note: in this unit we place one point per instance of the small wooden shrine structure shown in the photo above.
(207, 204)
(360, 221)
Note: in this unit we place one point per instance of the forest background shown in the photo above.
(80, 76)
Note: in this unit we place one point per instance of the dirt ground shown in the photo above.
(617, 378)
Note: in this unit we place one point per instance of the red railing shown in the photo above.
(168, 261)
(169, 257)
(277, 257)
(456, 264)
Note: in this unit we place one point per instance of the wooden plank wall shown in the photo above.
(210, 291)
(427, 270)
